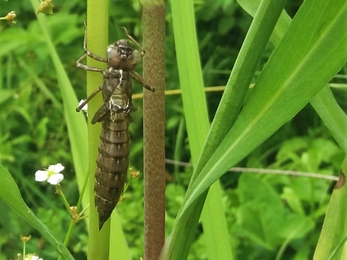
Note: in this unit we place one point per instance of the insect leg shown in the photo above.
(133, 73)
(78, 109)
(89, 54)
(132, 38)
(86, 51)
(136, 76)
(86, 67)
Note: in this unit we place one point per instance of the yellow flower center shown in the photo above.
(50, 173)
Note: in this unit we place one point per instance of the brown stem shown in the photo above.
(154, 125)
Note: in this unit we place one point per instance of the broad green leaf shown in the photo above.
(178, 243)
(10, 194)
(215, 225)
(259, 204)
(241, 76)
(303, 63)
(310, 54)
(281, 25)
(334, 229)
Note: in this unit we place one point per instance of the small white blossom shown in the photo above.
(52, 174)
(32, 257)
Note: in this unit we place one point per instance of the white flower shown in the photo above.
(52, 174)
(32, 257)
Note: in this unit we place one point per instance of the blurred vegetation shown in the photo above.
(33, 135)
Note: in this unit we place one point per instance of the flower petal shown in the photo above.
(55, 178)
(41, 175)
(32, 257)
(56, 168)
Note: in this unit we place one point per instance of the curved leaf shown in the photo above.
(10, 194)
(333, 116)
(180, 239)
(311, 53)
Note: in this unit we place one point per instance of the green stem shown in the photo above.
(63, 198)
(68, 235)
(68, 208)
(97, 40)
(84, 188)
(24, 250)
(69, 232)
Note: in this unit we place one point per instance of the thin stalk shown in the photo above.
(154, 125)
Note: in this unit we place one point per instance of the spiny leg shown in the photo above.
(90, 54)
(132, 38)
(133, 73)
(79, 64)
(78, 109)
(136, 76)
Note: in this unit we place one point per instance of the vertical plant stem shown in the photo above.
(154, 125)
(97, 39)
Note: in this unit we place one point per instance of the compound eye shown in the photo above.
(111, 51)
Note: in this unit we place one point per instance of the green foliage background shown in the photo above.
(268, 216)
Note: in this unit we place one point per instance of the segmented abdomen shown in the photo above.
(112, 164)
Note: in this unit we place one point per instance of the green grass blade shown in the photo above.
(310, 54)
(10, 194)
(251, 7)
(196, 116)
(241, 75)
(334, 230)
(332, 115)
(333, 234)
(215, 226)
(178, 243)
(335, 119)
(118, 245)
(190, 75)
